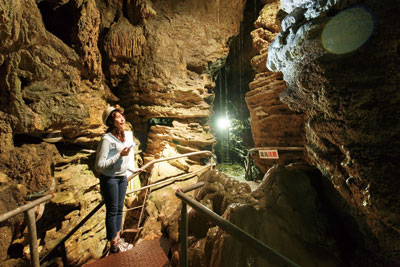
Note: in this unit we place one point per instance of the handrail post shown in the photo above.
(248, 172)
(91, 213)
(272, 256)
(61, 242)
(25, 207)
(183, 235)
(64, 254)
(30, 216)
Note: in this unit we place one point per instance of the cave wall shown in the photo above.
(351, 102)
(63, 62)
(157, 60)
(273, 123)
(43, 90)
(298, 230)
(169, 72)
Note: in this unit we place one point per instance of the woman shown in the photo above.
(111, 162)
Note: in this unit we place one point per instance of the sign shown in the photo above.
(269, 154)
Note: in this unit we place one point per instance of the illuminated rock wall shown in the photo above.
(347, 84)
(272, 122)
(156, 59)
(284, 212)
(62, 62)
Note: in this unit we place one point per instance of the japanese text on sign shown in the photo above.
(268, 154)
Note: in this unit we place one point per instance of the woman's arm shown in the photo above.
(101, 156)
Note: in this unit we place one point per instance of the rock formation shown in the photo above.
(284, 212)
(351, 101)
(273, 124)
(63, 61)
(25, 171)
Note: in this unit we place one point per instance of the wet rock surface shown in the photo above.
(273, 123)
(151, 58)
(284, 212)
(158, 59)
(353, 122)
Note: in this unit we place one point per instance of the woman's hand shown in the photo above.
(125, 151)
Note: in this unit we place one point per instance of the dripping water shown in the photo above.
(227, 158)
(232, 83)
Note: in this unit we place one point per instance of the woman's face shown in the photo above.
(119, 120)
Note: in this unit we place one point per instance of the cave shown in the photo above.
(286, 113)
(230, 121)
(60, 19)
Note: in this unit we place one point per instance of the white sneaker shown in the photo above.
(124, 246)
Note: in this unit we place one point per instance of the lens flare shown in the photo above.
(348, 30)
(223, 123)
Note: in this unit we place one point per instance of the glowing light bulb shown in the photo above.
(223, 123)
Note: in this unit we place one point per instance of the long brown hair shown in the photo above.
(120, 134)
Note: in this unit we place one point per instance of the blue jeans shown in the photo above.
(113, 190)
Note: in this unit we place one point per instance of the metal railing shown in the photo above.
(149, 184)
(255, 149)
(29, 210)
(170, 180)
(61, 244)
(269, 254)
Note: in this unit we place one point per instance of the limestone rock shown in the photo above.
(353, 116)
(76, 194)
(31, 165)
(88, 36)
(278, 219)
(25, 171)
(179, 138)
(5, 134)
(11, 196)
(42, 87)
(272, 122)
(157, 60)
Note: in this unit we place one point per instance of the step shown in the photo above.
(145, 253)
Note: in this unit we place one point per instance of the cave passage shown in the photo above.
(231, 119)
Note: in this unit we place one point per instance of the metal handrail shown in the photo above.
(209, 153)
(62, 241)
(265, 251)
(173, 179)
(29, 210)
(255, 149)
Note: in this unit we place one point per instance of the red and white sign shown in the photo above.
(269, 154)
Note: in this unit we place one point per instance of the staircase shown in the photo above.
(146, 253)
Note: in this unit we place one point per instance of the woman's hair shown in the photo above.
(111, 127)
